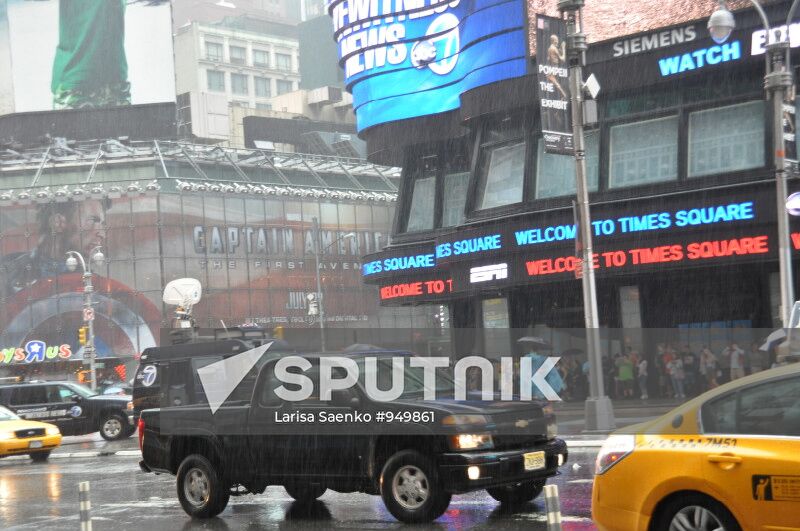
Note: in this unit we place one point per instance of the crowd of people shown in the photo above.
(672, 372)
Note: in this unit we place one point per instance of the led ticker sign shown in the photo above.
(640, 256)
(410, 58)
(410, 290)
(654, 221)
(492, 242)
(400, 263)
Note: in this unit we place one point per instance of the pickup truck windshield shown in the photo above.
(81, 390)
(414, 380)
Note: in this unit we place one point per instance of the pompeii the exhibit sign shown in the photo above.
(553, 78)
(416, 58)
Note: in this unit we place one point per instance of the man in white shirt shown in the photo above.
(736, 361)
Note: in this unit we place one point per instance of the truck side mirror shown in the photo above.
(344, 398)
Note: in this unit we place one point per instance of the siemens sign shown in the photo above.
(410, 58)
(697, 59)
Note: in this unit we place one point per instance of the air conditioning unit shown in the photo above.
(324, 95)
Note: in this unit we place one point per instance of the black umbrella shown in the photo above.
(536, 342)
(361, 347)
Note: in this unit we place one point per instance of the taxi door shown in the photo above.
(751, 453)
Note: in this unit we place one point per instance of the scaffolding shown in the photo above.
(97, 168)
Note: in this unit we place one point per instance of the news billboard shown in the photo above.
(73, 54)
(409, 59)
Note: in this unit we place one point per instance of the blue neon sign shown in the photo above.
(410, 58)
(730, 51)
(491, 242)
(399, 263)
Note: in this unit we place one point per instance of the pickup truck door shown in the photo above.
(284, 442)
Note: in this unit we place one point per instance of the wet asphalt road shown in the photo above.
(45, 497)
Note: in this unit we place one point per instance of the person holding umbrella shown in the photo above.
(532, 346)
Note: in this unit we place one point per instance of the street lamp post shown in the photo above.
(598, 408)
(318, 250)
(74, 258)
(777, 81)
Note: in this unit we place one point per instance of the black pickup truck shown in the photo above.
(255, 439)
(75, 409)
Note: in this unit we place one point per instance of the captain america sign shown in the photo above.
(410, 58)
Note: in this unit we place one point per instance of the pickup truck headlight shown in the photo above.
(52, 430)
(470, 441)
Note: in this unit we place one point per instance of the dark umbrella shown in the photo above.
(536, 342)
(361, 347)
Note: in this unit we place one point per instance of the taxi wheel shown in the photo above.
(411, 489)
(40, 457)
(200, 488)
(695, 512)
(518, 494)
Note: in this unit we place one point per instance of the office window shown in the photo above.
(555, 174)
(726, 139)
(502, 175)
(644, 152)
(216, 80)
(423, 196)
(238, 55)
(283, 62)
(264, 106)
(239, 84)
(213, 51)
(262, 87)
(455, 198)
(282, 86)
(261, 58)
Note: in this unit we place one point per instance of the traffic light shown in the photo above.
(83, 335)
(313, 304)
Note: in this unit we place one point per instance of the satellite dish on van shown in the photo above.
(184, 292)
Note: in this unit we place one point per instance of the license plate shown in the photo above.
(534, 460)
(35, 444)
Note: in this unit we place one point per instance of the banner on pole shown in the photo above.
(553, 77)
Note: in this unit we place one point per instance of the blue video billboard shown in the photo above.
(410, 58)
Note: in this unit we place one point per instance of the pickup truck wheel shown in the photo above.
(114, 427)
(305, 492)
(411, 489)
(40, 457)
(200, 489)
(518, 494)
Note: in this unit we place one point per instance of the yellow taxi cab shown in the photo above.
(728, 460)
(19, 436)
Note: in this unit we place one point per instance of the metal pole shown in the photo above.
(321, 317)
(598, 408)
(88, 289)
(777, 80)
(85, 506)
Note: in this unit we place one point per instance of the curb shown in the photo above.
(576, 443)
